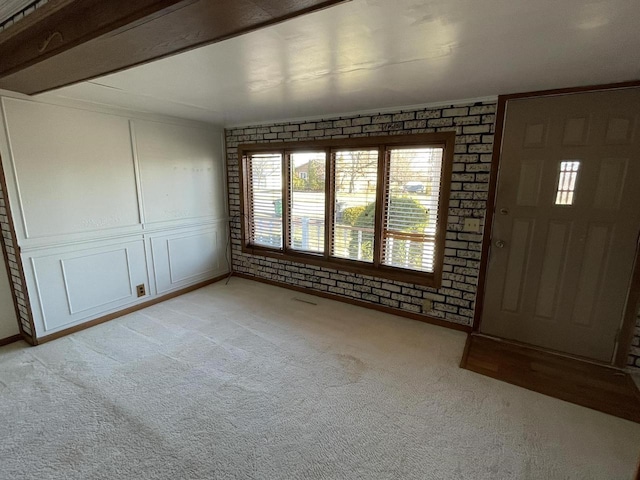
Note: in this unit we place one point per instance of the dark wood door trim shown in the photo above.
(626, 333)
(627, 329)
(488, 220)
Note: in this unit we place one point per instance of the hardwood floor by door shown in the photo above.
(584, 383)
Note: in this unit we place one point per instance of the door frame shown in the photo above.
(625, 336)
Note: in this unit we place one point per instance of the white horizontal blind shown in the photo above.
(9, 8)
(356, 180)
(265, 199)
(307, 201)
(410, 215)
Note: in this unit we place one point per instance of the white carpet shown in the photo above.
(243, 382)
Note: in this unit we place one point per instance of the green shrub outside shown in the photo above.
(410, 208)
(351, 214)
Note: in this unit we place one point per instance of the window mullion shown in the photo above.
(381, 193)
(286, 206)
(329, 203)
(247, 193)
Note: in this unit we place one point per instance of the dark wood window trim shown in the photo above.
(445, 140)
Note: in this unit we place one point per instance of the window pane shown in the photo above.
(567, 182)
(411, 208)
(307, 198)
(265, 196)
(356, 178)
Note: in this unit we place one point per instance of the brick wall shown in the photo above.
(14, 268)
(634, 353)
(455, 300)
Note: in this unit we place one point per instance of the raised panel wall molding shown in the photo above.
(35, 245)
(127, 294)
(75, 285)
(150, 228)
(78, 240)
(175, 275)
(177, 177)
(174, 264)
(77, 181)
(73, 160)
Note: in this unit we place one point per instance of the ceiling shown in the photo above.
(376, 54)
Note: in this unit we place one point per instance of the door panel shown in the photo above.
(611, 182)
(576, 130)
(552, 269)
(529, 184)
(516, 264)
(567, 220)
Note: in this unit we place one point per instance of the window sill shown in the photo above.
(382, 272)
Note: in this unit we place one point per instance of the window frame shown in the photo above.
(445, 140)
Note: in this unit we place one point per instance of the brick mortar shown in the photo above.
(455, 300)
(474, 125)
(634, 352)
(14, 269)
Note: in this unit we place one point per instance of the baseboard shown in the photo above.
(11, 339)
(126, 311)
(359, 303)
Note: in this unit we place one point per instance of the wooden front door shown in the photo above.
(566, 222)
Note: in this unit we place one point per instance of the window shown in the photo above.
(265, 191)
(567, 182)
(376, 206)
(307, 201)
(356, 180)
(410, 219)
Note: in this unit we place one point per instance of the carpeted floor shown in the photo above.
(241, 381)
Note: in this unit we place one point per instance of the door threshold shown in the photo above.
(550, 351)
(586, 383)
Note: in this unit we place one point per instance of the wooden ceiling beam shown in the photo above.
(69, 41)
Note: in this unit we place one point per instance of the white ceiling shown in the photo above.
(370, 54)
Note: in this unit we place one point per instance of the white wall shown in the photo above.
(104, 201)
(8, 321)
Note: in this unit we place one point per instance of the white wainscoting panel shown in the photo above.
(186, 257)
(192, 256)
(106, 200)
(74, 169)
(111, 272)
(181, 171)
(74, 285)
